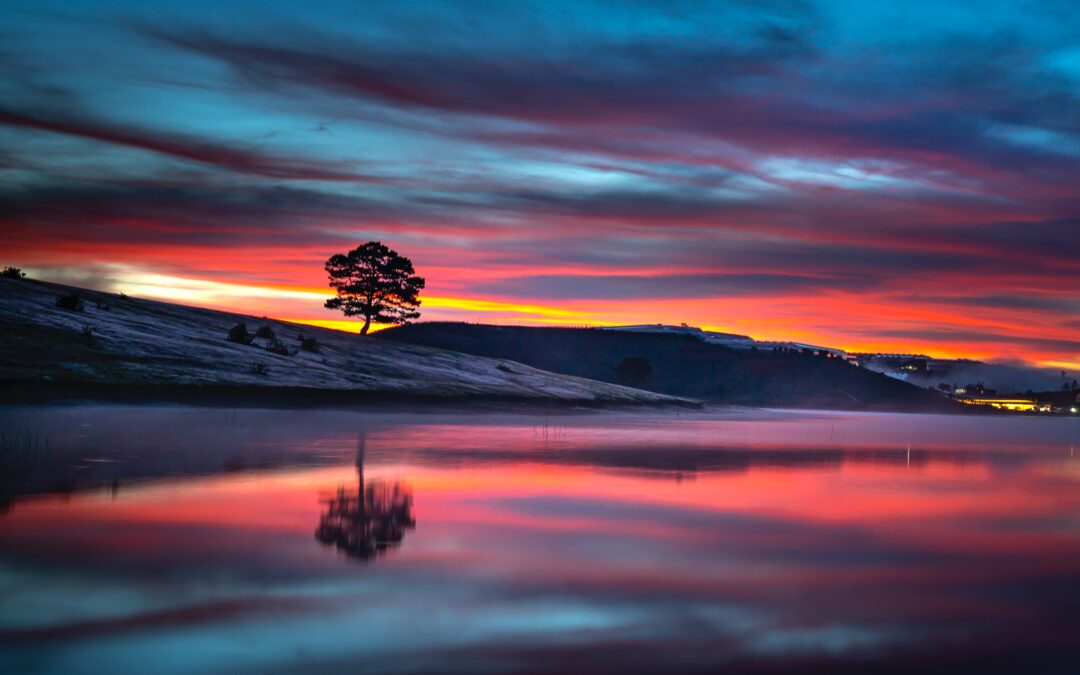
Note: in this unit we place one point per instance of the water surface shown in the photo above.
(180, 540)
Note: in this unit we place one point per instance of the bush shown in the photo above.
(12, 273)
(71, 301)
(266, 332)
(239, 334)
(309, 344)
(278, 347)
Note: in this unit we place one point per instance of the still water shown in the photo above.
(183, 539)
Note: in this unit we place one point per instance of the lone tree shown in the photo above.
(376, 283)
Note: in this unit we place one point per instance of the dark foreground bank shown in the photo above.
(74, 341)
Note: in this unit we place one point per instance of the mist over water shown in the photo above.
(1002, 377)
(183, 539)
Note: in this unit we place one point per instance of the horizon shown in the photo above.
(354, 325)
(826, 173)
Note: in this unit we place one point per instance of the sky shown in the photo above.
(873, 176)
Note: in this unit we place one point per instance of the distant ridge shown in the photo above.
(683, 365)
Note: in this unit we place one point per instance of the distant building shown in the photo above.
(803, 348)
(681, 329)
(1007, 403)
(712, 337)
(896, 363)
(977, 389)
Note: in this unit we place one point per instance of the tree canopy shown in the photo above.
(376, 283)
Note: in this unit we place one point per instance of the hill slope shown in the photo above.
(682, 366)
(137, 343)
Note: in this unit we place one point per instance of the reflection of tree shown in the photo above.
(366, 522)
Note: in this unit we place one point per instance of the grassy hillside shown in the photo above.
(150, 346)
(681, 366)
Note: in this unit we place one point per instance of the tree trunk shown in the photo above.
(367, 324)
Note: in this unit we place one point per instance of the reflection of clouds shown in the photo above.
(210, 611)
(837, 560)
(555, 571)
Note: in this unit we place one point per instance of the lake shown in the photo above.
(172, 539)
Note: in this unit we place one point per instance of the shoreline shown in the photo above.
(37, 392)
(25, 392)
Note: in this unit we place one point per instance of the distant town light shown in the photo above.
(1005, 403)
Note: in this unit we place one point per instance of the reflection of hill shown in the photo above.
(676, 460)
(52, 472)
(62, 471)
(365, 523)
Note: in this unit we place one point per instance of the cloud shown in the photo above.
(228, 157)
(1010, 302)
(634, 77)
(777, 94)
(621, 159)
(169, 618)
(663, 286)
(983, 337)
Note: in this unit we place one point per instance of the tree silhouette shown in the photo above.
(376, 283)
(366, 523)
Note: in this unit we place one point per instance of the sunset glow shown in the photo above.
(826, 172)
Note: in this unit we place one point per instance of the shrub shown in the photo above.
(12, 273)
(266, 332)
(278, 347)
(71, 301)
(260, 369)
(239, 334)
(309, 344)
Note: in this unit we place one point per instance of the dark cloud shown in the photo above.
(756, 255)
(201, 213)
(981, 337)
(766, 94)
(666, 286)
(154, 213)
(646, 81)
(1034, 302)
(232, 158)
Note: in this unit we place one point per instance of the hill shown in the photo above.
(681, 365)
(114, 344)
